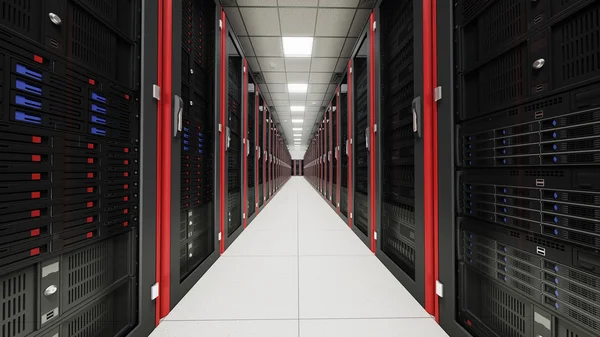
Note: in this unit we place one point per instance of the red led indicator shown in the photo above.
(125, 174)
(126, 186)
(36, 140)
(35, 232)
(89, 219)
(36, 176)
(126, 150)
(34, 252)
(90, 204)
(88, 235)
(90, 175)
(36, 195)
(90, 146)
(125, 198)
(91, 81)
(38, 59)
(125, 211)
(127, 97)
(126, 162)
(125, 224)
(90, 190)
(36, 213)
(36, 158)
(90, 160)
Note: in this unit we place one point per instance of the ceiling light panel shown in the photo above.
(297, 108)
(297, 121)
(297, 87)
(297, 46)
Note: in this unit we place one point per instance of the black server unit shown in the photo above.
(233, 138)
(250, 151)
(327, 153)
(261, 151)
(527, 184)
(268, 166)
(194, 245)
(333, 151)
(344, 143)
(361, 119)
(69, 167)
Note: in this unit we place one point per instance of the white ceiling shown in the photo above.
(334, 25)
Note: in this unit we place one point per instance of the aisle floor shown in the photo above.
(298, 271)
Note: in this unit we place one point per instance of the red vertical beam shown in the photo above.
(428, 159)
(330, 156)
(244, 151)
(223, 92)
(159, 141)
(338, 149)
(435, 155)
(372, 142)
(256, 152)
(350, 147)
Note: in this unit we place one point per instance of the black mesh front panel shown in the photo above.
(398, 218)
(361, 151)
(234, 129)
(344, 143)
(250, 148)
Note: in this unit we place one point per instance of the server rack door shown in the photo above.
(343, 109)
(337, 151)
(267, 153)
(329, 153)
(70, 144)
(350, 145)
(322, 142)
(361, 125)
(193, 235)
(401, 226)
(523, 212)
(256, 150)
(233, 129)
(250, 148)
(263, 151)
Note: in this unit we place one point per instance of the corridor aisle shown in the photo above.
(298, 271)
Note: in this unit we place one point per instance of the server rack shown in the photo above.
(193, 140)
(267, 154)
(360, 123)
(344, 109)
(233, 73)
(251, 156)
(400, 223)
(71, 136)
(261, 152)
(520, 197)
(337, 153)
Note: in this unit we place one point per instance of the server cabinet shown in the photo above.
(361, 125)
(250, 155)
(329, 152)
(401, 245)
(267, 153)
(336, 150)
(233, 74)
(193, 141)
(71, 124)
(261, 151)
(345, 114)
(521, 199)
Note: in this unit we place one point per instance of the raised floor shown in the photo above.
(298, 271)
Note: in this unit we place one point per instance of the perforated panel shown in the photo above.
(21, 16)
(17, 303)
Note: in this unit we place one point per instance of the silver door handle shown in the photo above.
(367, 137)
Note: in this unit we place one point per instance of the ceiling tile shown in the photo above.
(235, 19)
(297, 63)
(267, 46)
(280, 96)
(327, 47)
(317, 88)
(337, 3)
(275, 77)
(297, 77)
(246, 46)
(314, 97)
(294, 96)
(257, 2)
(261, 21)
(319, 78)
(341, 66)
(281, 103)
(313, 109)
(298, 3)
(271, 64)
(332, 88)
(298, 21)
(253, 62)
(348, 46)
(334, 22)
(274, 87)
(360, 20)
(320, 64)
(298, 103)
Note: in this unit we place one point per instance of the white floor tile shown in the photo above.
(272, 242)
(331, 242)
(262, 328)
(243, 288)
(352, 287)
(413, 327)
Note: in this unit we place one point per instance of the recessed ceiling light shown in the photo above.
(297, 120)
(297, 129)
(297, 46)
(297, 87)
(297, 135)
(295, 108)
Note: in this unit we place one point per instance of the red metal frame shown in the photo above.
(256, 145)
(435, 156)
(428, 159)
(159, 159)
(372, 140)
(337, 149)
(222, 133)
(350, 147)
(245, 143)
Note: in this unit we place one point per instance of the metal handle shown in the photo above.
(259, 151)
(248, 148)
(367, 137)
(346, 147)
(51, 290)
(228, 138)
(416, 110)
(177, 115)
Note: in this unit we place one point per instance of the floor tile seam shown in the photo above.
(299, 319)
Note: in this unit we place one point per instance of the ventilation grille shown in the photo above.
(503, 312)
(93, 321)
(89, 270)
(21, 16)
(16, 311)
